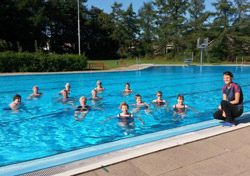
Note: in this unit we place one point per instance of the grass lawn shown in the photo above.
(116, 63)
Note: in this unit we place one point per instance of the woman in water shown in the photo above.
(159, 101)
(125, 119)
(67, 88)
(83, 109)
(66, 99)
(231, 106)
(99, 87)
(15, 105)
(181, 109)
(139, 105)
(127, 89)
(35, 93)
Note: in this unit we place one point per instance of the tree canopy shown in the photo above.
(160, 27)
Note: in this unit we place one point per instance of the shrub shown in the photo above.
(40, 62)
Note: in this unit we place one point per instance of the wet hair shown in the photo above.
(137, 95)
(180, 96)
(93, 91)
(228, 73)
(64, 90)
(159, 92)
(124, 104)
(127, 84)
(17, 96)
(82, 97)
(99, 82)
(67, 84)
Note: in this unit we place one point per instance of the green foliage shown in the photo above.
(164, 28)
(5, 46)
(39, 62)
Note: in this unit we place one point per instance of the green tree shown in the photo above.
(146, 23)
(241, 28)
(196, 27)
(23, 22)
(130, 24)
(171, 24)
(222, 47)
(99, 43)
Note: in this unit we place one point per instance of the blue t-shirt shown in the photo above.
(235, 88)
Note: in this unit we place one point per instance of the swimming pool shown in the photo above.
(47, 128)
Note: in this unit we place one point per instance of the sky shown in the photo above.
(106, 4)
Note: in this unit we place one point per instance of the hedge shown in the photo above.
(40, 62)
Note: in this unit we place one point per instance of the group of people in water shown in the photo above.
(230, 108)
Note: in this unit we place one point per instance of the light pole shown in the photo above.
(79, 43)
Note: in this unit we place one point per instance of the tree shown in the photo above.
(146, 23)
(170, 23)
(98, 39)
(23, 22)
(131, 30)
(62, 24)
(223, 44)
(196, 27)
(125, 28)
(241, 28)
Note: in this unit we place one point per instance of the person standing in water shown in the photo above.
(180, 109)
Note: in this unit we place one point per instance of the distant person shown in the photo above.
(99, 87)
(95, 99)
(94, 95)
(231, 106)
(139, 105)
(127, 89)
(15, 105)
(66, 99)
(83, 109)
(125, 119)
(180, 109)
(159, 101)
(35, 93)
(67, 88)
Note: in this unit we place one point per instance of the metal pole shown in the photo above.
(201, 57)
(79, 44)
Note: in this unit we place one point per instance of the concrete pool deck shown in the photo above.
(225, 154)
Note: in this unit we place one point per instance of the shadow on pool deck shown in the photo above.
(225, 154)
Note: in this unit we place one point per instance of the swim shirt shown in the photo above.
(128, 119)
(235, 88)
(82, 109)
(180, 110)
(159, 103)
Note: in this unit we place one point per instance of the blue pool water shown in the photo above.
(45, 127)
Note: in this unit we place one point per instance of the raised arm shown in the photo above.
(169, 108)
(109, 118)
(140, 120)
(192, 109)
(147, 105)
(96, 108)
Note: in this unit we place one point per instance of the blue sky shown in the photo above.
(106, 4)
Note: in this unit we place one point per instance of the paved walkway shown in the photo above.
(227, 154)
